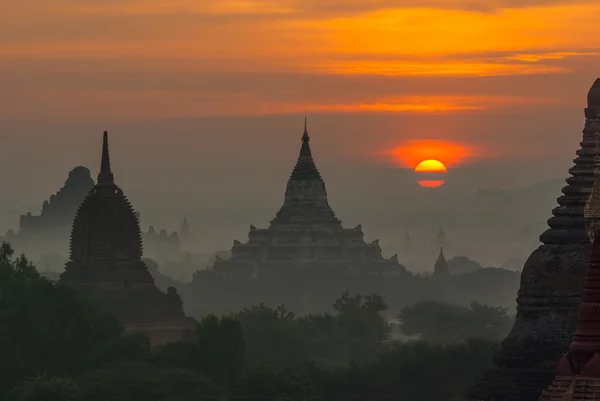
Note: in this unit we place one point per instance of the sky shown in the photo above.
(204, 100)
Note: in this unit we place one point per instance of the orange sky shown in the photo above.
(172, 39)
(495, 78)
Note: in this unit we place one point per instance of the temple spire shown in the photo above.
(305, 166)
(305, 137)
(105, 176)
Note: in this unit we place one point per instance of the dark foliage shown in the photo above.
(442, 322)
(57, 346)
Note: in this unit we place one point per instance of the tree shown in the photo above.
(146, 382)
(272, 335)
(361, 323)
(444, 322)
(46, 389)
(45, 328)
(217, 351)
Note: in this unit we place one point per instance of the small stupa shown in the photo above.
(105, 263)
(440, 269)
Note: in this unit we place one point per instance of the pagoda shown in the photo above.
(105, 263)
(440, 269)
(407, 245)
(551, 286)
(48, 232)
(578, 371)
(306, 234)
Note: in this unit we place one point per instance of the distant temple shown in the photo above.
(306, 234)
(185, 232)
(105, 263)
(161, 246)
(49, 231)
(440, 269)
(408, 246)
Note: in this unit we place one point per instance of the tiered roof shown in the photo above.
(306, 230)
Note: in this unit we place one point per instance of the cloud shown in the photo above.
(118, 105)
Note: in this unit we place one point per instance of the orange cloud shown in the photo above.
(143, 104)
(441, 67)
(412, 152)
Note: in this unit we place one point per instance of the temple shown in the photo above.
(440, 269)
(407, 244)
(161, 246)
(105, 263)
(551, 286)
(578, 371)
(306, 233)
(48, 232)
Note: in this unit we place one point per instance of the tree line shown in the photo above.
(55, 345)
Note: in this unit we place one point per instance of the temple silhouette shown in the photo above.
(305, 234)
(551, 285)
(578, 371)
(48, 232)
(105, 263)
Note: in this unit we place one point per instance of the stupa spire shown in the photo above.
(305, 166)
(305, 137)
(105, 177)
(440, 269)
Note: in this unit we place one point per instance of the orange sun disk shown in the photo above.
(431, 166)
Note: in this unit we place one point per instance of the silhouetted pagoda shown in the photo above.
(49, 231)
(551, 286)
(440, 269)
(306, 234)
(578, 371)
(106, 251)
(407, 244)
(161, 246)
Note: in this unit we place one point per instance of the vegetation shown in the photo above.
(442, 322)
(56, 346)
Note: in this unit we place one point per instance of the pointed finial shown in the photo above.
(105, 176)
(305, 137)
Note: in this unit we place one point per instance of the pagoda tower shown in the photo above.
(185, 232)
(306, 232)
(407, 244)
(440, 269)
(578, 371)
(551, 286)
(105, 263)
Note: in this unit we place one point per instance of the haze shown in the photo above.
(205, 101)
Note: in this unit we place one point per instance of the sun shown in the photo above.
(431, 173)
(431, 166)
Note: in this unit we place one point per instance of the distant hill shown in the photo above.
(496, 212)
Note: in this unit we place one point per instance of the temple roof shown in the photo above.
(305, 166)
(440, 268)
(305, 195)
(106, 226)
(593, 96)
